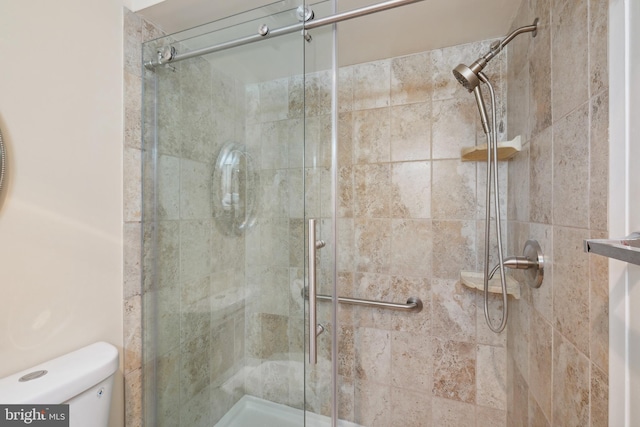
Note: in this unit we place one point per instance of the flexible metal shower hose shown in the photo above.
(492, 165)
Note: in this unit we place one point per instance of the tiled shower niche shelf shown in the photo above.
(627, 250)
(475, 280)
(506, 150)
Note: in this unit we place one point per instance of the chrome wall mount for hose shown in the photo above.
(535, 269)
(532, 260)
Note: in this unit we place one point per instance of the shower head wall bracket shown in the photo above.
(467, 76)
(496, 47)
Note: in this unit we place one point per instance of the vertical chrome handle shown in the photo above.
(313, 317)
(314, 328)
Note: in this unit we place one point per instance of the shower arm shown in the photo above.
(496, 47)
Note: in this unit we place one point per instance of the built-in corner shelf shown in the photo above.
(627, 249)
(475, 280)
(506, 150)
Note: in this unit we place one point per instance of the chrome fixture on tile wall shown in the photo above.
(470, 77)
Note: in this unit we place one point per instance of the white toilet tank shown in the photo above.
(83, 379)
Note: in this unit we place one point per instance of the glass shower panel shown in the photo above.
(319, 181)
(228, 187)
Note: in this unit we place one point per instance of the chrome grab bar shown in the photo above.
(314, 328)
(413, 304)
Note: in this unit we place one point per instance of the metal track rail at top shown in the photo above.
(339, 17)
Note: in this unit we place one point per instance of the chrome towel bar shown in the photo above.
(413, 304)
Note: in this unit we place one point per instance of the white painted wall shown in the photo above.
(624, 211)
(61, 215)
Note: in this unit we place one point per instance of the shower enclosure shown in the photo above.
(237, 158)
(246, 145)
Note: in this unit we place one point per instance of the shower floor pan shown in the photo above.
(251, 412)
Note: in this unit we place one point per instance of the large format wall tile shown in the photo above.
(540, 365)
(411, 190)
(372, 85)
(570, 384)
(454, 190)
(371, 131)
(454, 311)
(409, 408)
(454, 244)
(558, 334)
(599, 308)
(408, 82)
(411, 368)
(411, 245)
(453, 126)
(454, 370)
(571, 169)
(411, 132)
(599, 162)
(570, 51)
(571, 286)
(541, 177)
(372, 191)
(491, 377)
(451, 413)
(598, 47)
(599, 416)
(373, 404)
(539, 63)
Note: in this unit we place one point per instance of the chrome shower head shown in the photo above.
(470, 78)
(467, 76)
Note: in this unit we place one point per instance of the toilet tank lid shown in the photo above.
(67, 376)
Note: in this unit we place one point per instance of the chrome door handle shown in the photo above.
(314, 328)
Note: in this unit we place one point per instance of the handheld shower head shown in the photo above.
(484, 118)
(467, 76)
(470, 78)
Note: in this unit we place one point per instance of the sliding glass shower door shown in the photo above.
(236, 161)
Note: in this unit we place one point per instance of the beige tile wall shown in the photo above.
(410, 220)
(558, 334)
